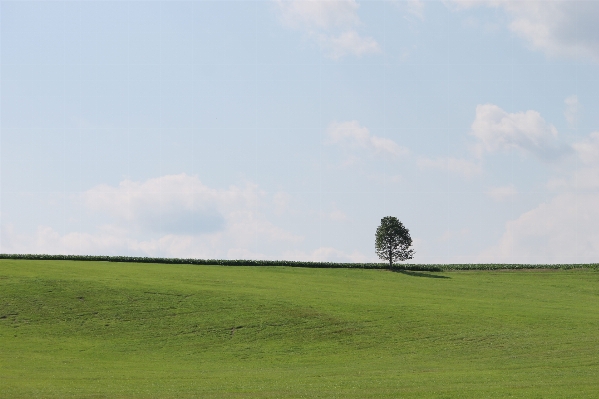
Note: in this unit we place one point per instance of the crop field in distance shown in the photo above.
(86, 329)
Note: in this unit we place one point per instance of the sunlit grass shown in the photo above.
(99, 329)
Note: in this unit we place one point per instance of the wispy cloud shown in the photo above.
(458, 166)
(347, 43)
(588, 149)
(352, 135)
(333, 25)
(502, 193)
(452, 235)
(281, 202)
(572, 109)
(335, 214)
(416, 7)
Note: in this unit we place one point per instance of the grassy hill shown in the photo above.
(99, 329)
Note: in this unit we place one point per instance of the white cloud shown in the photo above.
(331, 24)
(347, 43)
(588, 149)
(558, 28)
(352, 135)
(563, 230)
(527, 131)
(178, 204)
(411, 8)
(502, 193)
(586, 177)
(173, 216)
(572, 108)
(319, 14)
(458, 166)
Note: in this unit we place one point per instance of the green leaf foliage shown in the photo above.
(393, 241)
(428, 267)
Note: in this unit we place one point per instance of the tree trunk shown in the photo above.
(390, 260)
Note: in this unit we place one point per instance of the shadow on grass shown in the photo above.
(419, 274)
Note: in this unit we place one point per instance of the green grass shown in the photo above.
(97, 329)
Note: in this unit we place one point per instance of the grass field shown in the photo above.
(97, 329)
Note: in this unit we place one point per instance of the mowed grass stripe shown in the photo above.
(100, 329)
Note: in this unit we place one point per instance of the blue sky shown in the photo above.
(288, 129)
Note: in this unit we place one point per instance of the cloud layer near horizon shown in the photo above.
(178, 216)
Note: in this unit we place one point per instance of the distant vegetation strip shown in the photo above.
(290, 263)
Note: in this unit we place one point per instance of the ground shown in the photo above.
(123, 330)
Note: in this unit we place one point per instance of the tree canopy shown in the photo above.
(393, 241)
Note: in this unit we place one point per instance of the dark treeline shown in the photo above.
(246, 262)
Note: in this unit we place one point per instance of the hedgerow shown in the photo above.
(290, 263)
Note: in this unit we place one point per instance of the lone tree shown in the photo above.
(393, 241)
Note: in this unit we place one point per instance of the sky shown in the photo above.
(288, 129)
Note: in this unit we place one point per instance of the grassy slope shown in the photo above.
(94, 329)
